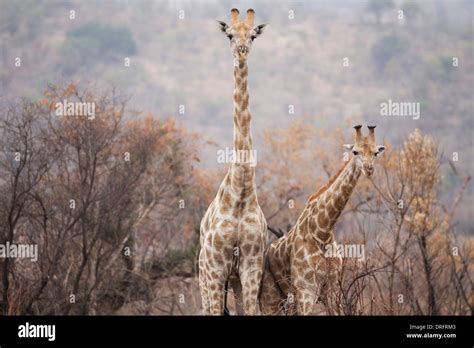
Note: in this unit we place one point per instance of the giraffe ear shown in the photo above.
(223, 26)
(258, 30)
(349, 147)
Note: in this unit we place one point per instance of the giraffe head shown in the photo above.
(365, 150)
(241, 33)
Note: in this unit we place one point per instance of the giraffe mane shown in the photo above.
(324, 188)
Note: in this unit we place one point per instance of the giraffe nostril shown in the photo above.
(242, 49)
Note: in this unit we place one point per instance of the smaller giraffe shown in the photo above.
(297, 272)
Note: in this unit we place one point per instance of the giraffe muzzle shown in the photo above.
(243, 50)
(369, 170)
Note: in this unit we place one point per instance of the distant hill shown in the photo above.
(426, 57)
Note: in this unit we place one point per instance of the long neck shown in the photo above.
(242, 136)
(325, 208)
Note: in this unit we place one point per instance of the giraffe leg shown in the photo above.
(270, 297)
(307, 293)
(203, 284)
(237, 289)
(216, 296)
(330, 290)
(306, 301)
(251, 277)
(291, 303)
(330, 304)
(329, 295)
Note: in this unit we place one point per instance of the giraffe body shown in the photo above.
(233, 231)
(298, 273)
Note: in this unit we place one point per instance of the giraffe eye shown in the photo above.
(355, 152)
(253, 37)
(230, 36)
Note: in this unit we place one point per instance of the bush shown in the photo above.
(179, 262)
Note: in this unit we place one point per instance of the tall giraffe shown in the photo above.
(297, 268)
(234, 230)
